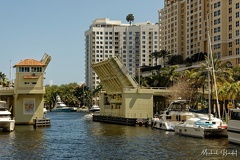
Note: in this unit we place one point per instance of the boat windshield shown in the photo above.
(180, 107)
(235, 115)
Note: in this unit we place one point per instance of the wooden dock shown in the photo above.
(45, 122)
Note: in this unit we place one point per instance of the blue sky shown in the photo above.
(30, 28)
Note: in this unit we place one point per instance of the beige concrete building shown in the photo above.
(122, 97)
(132, 44)
(184, 24)
(26, 98)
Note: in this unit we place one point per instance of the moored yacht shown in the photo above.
(201, 127)
(178, 112)
(234, 126)
(7, 123)
(60, 106)
(94, 108)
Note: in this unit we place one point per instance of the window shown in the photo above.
(217, 21)
(24, 69)
(217, 46)
(237, 14)
(217, 38)
(217, 13)
(237, 41)
(36, 69)
(237, 5)
(217, 29)
(237, 51)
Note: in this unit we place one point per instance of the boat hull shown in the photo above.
(234, 131)
(164, 125)
(199, 131)
(62, 110)
(94, 110)
(7, 125)
(190, 131)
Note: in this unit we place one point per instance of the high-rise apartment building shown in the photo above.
(132, 44)
(184, 25)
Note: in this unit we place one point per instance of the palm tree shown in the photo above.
(130, 18)
(170, 75)
(3, 79)
(96, 91)
(164, 53)
(229, 91)
(222, 71)
(232, 90)
(156, 55)
(155, 80)
(236, 73)
(223, 74)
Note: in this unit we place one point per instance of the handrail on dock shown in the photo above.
(42, 122)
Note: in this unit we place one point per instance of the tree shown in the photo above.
(80, 92)
(181, 89)
(169, 75)
(229, 90)
(3, 79)
(130, 18)
(175, 59)
(96, 91)
(164, 53)
(50, 95)
(236, 73)
(156, 55)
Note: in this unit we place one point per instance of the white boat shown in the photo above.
(83, 109)
(94, 108)
(7, 123)
(88, 116)
(44, 110)
(60, 106)
(178, 112)
(234, 126)
(201, 127)
(74, 109)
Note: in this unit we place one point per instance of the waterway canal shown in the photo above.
(70, 136)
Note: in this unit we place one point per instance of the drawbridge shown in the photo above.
(114, 75)
(45, 60)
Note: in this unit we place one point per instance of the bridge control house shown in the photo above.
(26, 99)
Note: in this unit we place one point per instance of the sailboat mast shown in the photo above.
(210, 57)
(208, 69)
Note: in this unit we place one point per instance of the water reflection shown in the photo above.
(72, 137)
